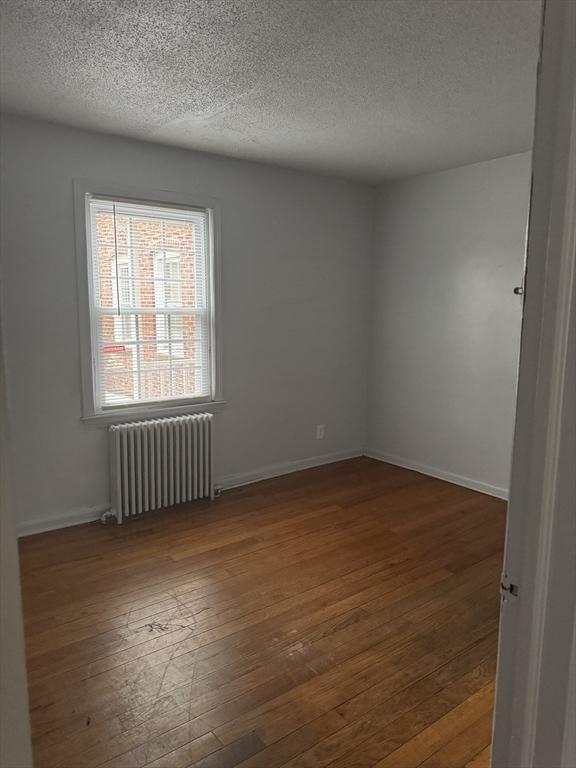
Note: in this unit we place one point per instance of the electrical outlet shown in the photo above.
(320, 431)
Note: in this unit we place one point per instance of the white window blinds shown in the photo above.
(150, 308)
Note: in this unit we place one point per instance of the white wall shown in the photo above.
(295, 252)
(449, 250)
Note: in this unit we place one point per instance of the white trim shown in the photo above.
(285, 468)
(188, 199)
(556, 416)
(534, 646)
(152, 411)
(74, 517)
(441, 474)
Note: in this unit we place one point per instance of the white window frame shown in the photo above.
(84, 190)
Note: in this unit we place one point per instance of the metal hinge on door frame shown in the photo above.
(507, 587)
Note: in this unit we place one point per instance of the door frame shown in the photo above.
(537, 631)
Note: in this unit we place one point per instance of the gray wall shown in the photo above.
(449, 251)
(15, 744)
(295, 252)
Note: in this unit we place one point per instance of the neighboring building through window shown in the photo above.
(123, 323)
(168, 292)
(150, 314)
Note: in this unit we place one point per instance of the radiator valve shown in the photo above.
(108, 518)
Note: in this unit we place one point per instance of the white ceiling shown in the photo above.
(370, 89)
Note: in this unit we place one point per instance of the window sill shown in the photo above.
(153, 412)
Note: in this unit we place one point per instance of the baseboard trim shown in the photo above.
(285, 468)
(75, 517)
(441, 474)
(81, 516)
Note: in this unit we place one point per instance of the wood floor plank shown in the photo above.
(183, 756)
(481, 760)
(460, 719)
(407, 740)
(394, 725)
(304, 738)
(464, 746)
(345, 615)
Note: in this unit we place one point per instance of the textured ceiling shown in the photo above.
(371, 89)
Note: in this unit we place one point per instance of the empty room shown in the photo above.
(263, 277)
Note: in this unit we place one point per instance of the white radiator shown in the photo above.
(158, 463)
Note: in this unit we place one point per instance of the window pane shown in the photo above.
(148, 278)
(149, 357)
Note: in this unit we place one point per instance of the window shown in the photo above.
(150, 281)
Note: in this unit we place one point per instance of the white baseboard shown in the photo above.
(285, 468)
(80, 516)
(441, 474)
(74, 517)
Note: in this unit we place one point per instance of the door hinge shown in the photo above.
(507, 587)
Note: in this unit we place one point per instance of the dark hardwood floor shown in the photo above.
(342, 616)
